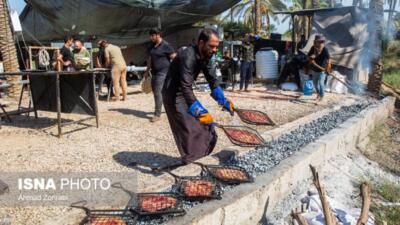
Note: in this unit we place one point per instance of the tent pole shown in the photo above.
(309, 26)
(293, 36)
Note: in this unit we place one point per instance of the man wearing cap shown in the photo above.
(319, 64)
(191, 123)
(161, 54)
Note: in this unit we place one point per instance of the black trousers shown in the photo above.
(246, 71)
(157, 83)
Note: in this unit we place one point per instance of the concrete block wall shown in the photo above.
(246, 204)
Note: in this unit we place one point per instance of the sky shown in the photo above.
(17, 5)
(281, 28)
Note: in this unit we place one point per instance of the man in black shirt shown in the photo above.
(161, 54)
(66, 58)
(319, 61)
(191, 123)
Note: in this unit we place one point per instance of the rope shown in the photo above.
(44, 58)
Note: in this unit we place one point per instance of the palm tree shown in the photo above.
(7, 48)
(246, 10)
(258, 19)
(376, 15)
(392, 6)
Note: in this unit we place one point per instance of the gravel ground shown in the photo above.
(263, 158)
(124, 135)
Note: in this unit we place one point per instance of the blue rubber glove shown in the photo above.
(201, 114)
(218, 95)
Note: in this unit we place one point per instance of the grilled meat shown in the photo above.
(255, 117)
(230, 174)
(155, 203)
(198, 188)
(107, 221)
(243, 136)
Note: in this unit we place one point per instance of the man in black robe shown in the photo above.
(191, 123)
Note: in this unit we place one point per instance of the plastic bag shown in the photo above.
(145, 84)
(288, 86)
(335, 85)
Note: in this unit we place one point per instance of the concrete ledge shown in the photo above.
(246, 204)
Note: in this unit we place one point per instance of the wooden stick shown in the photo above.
(393, 92)
(335, 77)
(366, 202)
(391, 87)
(299, 218)
(328, 215)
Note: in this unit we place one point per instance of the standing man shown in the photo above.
(81, 56)
(101, 63)
(116, 61)
(66, 59)
(319, 63)
(161, 54)
(191, 123)
(246, 68)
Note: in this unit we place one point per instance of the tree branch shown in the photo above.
(328, 214)
(366, 202)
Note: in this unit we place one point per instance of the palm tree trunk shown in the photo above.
(8, 50)
(304, 20)
(257, 27)
(231, 14)
(375, 78)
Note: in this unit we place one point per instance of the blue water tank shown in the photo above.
(308, 87)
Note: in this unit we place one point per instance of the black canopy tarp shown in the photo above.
(124, 22)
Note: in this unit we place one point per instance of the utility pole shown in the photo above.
(8, 49)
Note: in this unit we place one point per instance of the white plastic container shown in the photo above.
(267, 64)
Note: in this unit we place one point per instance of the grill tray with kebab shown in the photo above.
(196, 188)
(105, 217)
(154, 204)
(227, 174)
(254, 117)
(157, 204)
(243, 136)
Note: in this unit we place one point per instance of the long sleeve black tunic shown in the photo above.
(185, 69)
(193, 139)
